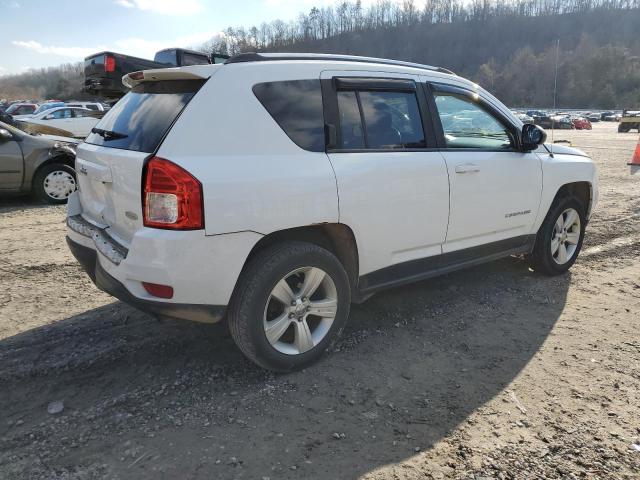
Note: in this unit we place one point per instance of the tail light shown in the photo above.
(109, 63)
(172, 197)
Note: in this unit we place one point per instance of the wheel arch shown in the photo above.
(583, 190)
(338, 238)
(58, 157)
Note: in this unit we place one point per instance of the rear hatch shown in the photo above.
(94, 65)
(111, 161)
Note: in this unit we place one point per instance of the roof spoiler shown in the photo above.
(132, 79)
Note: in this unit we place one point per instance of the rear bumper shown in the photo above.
(87, 257)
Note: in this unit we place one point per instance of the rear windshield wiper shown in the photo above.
(108, 134)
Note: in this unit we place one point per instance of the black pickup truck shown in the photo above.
(103, 71)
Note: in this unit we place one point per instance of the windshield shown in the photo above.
(47, 106)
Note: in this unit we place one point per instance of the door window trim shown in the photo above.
(330, 87)
(433, 88)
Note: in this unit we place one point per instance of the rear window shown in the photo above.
(140, 120)
(296, 106)
(167, 57)
(97, 60)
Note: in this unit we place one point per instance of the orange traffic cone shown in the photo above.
(636, 156)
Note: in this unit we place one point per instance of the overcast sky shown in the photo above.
(41, 33)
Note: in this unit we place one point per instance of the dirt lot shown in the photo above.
(493, 372)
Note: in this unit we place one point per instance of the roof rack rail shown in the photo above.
(268, 57)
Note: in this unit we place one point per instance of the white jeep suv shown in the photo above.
(275, 189)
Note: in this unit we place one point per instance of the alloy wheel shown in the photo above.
(566, 236)
(300, 310)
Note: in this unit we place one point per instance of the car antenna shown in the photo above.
(555, 95)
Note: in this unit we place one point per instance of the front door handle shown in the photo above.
(467, 168)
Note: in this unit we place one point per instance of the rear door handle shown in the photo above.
(467, 168)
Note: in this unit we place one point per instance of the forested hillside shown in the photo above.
(509, 47)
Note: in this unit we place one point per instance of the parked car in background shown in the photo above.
(630, 120)
(17, 109)
(103, 71)
(581, 123)
(96, 106)
(536, 113)
(593, 117)
(543, 121)
(77, 121)
(351, 191)
(615, 117)
(40, 108)
(36, 164)
(524, 118)
(562, 122)
(604, 115)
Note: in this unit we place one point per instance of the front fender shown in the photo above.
(560, 169)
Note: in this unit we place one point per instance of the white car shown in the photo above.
(524, 118)
(77, 121)
(276, 189)
(95, 106)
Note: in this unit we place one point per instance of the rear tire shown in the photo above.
(560, 237)
(54, 182)
(271, 318)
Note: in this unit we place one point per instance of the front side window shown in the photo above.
(296, 106)
(467, 125)
(380, 120)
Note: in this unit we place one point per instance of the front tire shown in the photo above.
(54, 182)
(560, 237)
(291, 303)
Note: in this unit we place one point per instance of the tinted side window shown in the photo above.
(143, 116)
(391, 120)
(297, 108)
(351, 132)
(62, 113)
(191, 59)
(467, 125)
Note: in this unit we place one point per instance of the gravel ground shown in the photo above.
(493, 372)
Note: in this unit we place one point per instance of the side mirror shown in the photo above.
(5, 135)
(532, 136)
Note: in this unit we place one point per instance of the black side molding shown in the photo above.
(424, 268)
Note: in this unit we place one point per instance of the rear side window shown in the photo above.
(192, 59)
(379, 120)
(350, 121)
(140, 120)
(296, 106)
